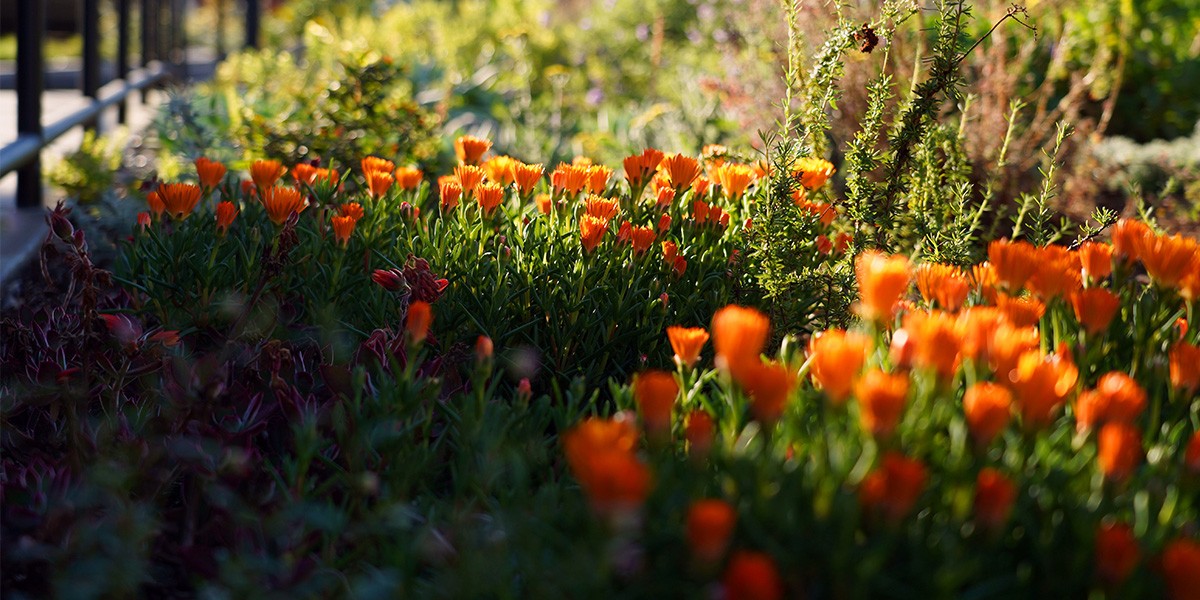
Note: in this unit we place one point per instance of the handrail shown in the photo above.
(161, 57)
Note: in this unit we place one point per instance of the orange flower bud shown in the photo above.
(893, 489)
(698, 428)
(408, 178)
(1095, 308)
(936, 339)
(881, 400)
(489, 196)
(1117, 398)
(343, 228)
(450, 190)
(739, 334)
(687, 343)
(600, 454)
(882, 281)
(710, 524)
(986, 407)
(353, 210)
(210, 173)
(837, 357)
(752, 576)
(994, 497)
(1117, 553)
(591, 231)
(418, 320)
(484, 348)
(1096, 260)
(1041, 384)
(655, 393)
(769, 386)
(226, 213)
(1120, 450)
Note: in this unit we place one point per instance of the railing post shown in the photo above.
(122, 52)
(31, 30)
(253, 22)
(91, 54)
(147, 52)
(219, 5)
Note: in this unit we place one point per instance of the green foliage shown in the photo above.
(89, 172)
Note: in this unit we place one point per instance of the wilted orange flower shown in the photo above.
(469, 149)
(408, 178)
(882, 281)
(1184, 366)
(739, 334)
(304, 173)
(570, 179)
(353, 210)
(639, 166)
(1007, 345)
(642, 238)
(986, 407)
(265, 173)
(343, 227)
(489, 195)
(1169, 259)
(378, 182)
(154, 201)
(681, 171)
(1127, 238)
(602, 208)
(937, 339)
(894, 487)
(1013, 262)
(527, 176)
(1056, 273)
(418, 320)
(210, 173)
(180, 199)
(1181, 569)
(226, 213)
(710, 524)
(1041, 384)
(373, 164)
(687, 343)
(1095, 308)
(994, 497)
(752, 576)
(449, 190)
(281, 202)
(823, 211)
(837, 357)
(600, 454)
(591, 231)
(698, 428)
(812, 172)
(734, 179)
(469, 177)
(1117, 398)
(769, 386)
(1020, 312)
(1120, 450)
(499, 169)
(655, 393)
(1095, 258)
(881, 400)
(944, 284)
(1117, 553)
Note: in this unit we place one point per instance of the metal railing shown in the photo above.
(161, 58)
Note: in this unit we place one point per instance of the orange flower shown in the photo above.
(1169, 259)
(640, 166)
(1013, 262)
(977, 324)
(670, 250)
(812, 172)
(1041, 384)
(698, 428)
(1127, 238)
(600, 454)
(700, 211)
(882, 281)
(265, 173)
(1181, 569)
(527, 176)
(489, 195)
(1117, 553)
(881, 400)
(752, 576)
(986, 407)
(602, 208)
(591, 230)
(468, 177)
(499, 169)
(944, 284)
(642, 238)
(469, 149)
(734, 179)
(1095, 308)
(983, 275)
(569, 178)
(343, 227)
(1119, 448)
(1006, 346)
(710, 524)
(837, 357)
(1185, 366)
(353, 210)
(936, 338)
(378, 182)
(1117, 398)
(545, 203)
(769, 386)
(1021, 312)
(304, 173)
(994, 497)
(1096, 260)
(664, 197)
(598, 178)
(893, 489)
(210, 173)
(143, 220)
(681, 171)
(824, 212)
(180, 199)
(739, 334)
(154, 201)
(679, 266)
(418, 320)
(1056, 273)
(655, 393)
(281, 202)
(449, 190)
(374, 164)
(687, 343)
(408, 178)
(226, 213)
